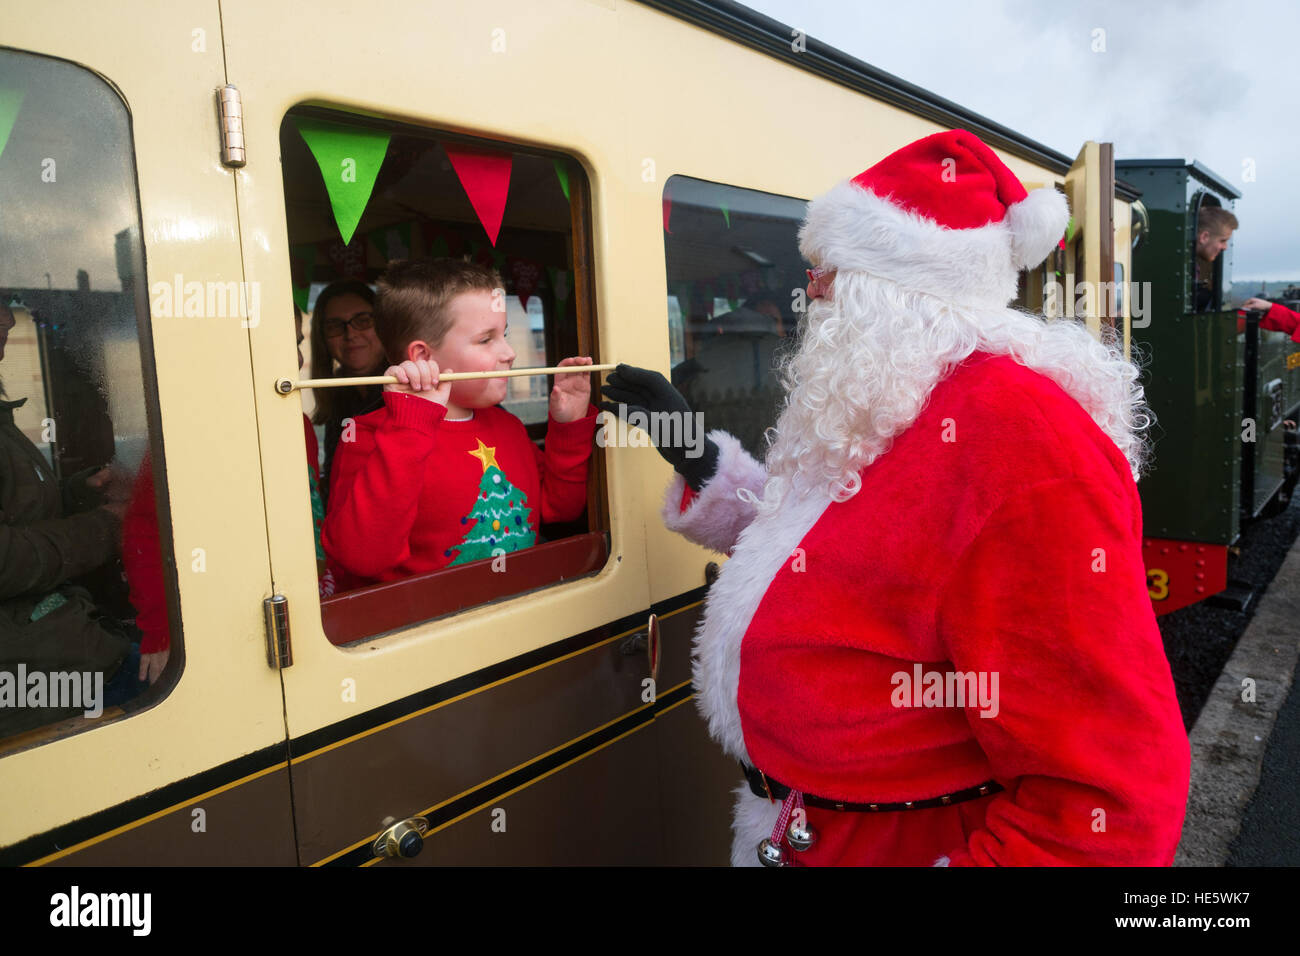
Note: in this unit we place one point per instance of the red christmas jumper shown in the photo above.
(1001, 534)
(414, 492)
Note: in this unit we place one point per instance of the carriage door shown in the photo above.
(496, 709)
(126, 344)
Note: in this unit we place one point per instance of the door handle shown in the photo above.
(404, 839)
(645, 641)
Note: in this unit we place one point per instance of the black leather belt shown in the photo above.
(762, 785)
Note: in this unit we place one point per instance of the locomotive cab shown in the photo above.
(1220, 388)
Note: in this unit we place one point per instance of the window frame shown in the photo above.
(137, 258)
(349, 618)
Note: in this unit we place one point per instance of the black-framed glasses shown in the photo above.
(360, 322)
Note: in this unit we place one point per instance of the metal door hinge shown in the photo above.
(230, 114)
(279, 649)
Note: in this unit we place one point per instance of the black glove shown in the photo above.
(637, 389)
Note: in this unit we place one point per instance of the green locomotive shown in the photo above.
(1225, 392)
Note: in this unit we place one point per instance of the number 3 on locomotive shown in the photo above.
(1157, 584)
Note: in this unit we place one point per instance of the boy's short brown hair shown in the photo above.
(1216, 220)
(413, 297)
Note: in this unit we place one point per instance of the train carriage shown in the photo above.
(658, 174)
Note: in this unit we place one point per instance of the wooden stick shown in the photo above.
(284, 386)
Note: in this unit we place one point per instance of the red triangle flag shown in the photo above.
(485, 177)
(668, 210)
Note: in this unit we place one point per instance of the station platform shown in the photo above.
(1244, 806)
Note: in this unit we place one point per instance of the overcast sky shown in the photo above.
(1215, 82)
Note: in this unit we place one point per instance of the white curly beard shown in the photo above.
(870, 356)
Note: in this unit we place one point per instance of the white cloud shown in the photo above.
(1211, 82)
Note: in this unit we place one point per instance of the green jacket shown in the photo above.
(41, 548)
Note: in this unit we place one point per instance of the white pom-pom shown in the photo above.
(1036, 223)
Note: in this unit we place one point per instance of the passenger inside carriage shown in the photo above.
(343, 344)
(442, 475)
(51, 534)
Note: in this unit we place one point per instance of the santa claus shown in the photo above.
(932, 642)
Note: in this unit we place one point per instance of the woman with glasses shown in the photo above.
(344, 344)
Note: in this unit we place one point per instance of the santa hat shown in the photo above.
(942, 215)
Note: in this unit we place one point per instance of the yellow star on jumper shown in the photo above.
(485, 454)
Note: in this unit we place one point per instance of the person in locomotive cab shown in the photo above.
(1214, 227)
(441, 475)
(932, 643)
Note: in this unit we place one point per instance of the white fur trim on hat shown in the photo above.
(853, 229)
(1037, 223)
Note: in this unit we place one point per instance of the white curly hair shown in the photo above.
(871, 354)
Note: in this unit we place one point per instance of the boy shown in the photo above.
(441, 475)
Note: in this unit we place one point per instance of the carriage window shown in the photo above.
(79, 503)
(517, 501)
(736, 286)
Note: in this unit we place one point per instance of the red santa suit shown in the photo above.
(999, 537)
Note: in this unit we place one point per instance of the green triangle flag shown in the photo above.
(1069, 230)
(349, 158)
(301, 260)
(559, 287)
(393, 242)
(10, 102)
(726, 214)
(683, 291)
(563, 175)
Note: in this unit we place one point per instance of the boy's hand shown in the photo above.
(1253, 305)
(572, 393)
(420, 378)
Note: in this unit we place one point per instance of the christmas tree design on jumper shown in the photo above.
(499, 516)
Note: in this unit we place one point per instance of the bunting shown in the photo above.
(393, 242)
(441, 242)
(346, 262)
(560, 288)
(302, 259)
(562, 174)
(349, 158)
(525, 276)
(485, 177)
(11, 102)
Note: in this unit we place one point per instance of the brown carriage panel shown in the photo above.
(565, 819)
(345, 793)
(249, 823)
(676, 632)
(697, 781)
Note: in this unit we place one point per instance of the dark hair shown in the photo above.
(332, 402)
(414, 295)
